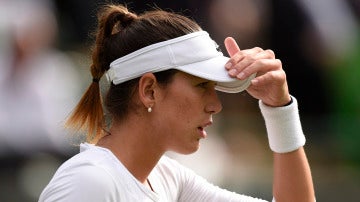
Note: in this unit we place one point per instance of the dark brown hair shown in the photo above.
(119, 33)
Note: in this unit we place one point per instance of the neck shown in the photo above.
(134, 146)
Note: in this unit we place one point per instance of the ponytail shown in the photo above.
(88, 114)
(119, 33)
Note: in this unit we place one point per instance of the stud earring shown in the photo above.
(149, 109)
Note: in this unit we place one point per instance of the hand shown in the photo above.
(270, 84)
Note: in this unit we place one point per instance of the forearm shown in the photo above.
(292, 176)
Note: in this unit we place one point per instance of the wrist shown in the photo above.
(283, 126)
(285, 101)
(289, 102)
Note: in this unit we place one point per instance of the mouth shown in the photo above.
(201, 129)
(202, 132)
(209, 123)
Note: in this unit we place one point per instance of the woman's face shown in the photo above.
(184, 110)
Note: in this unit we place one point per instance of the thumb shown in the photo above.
(231, 46)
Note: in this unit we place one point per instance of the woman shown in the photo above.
(164, 71)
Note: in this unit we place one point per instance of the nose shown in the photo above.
(213, 105)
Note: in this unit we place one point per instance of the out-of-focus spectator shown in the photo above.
(246, 20)
(37, 81)
(38, 88)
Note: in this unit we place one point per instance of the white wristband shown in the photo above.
(283, 127)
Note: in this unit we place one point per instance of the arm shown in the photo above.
(292, 176)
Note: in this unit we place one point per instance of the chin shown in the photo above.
(188, 150)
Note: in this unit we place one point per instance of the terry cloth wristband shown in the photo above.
(283, 127)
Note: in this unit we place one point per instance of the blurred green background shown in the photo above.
(45, 51)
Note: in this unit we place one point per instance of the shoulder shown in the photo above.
(86, 163)
(87, 172)
(86, 183)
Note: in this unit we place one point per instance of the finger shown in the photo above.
(271, 88)
(239, 56)
(270, 53)
(231, 46)
(252, 51)
(277, 77)
(256, 58)
(260, 67)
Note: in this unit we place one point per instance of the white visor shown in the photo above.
(194, 53)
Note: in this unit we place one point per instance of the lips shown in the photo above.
(201, 129)
(208, 123)
(202, 132)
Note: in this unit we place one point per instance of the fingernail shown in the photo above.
(232, 72)
(228, 65)
(254, 82)
(241, 75)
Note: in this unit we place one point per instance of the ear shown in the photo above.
(147, 86)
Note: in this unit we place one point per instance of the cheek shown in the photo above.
(184, 110)
(180, 106)
(177, 115)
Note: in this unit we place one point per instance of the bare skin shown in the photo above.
(292, 175)
(182, 110)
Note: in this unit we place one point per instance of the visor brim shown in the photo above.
(214, 70)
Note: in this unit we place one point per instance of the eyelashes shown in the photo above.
(207, 84)
(203, 84)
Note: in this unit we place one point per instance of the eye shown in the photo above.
(207, 85)
(203, 84)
